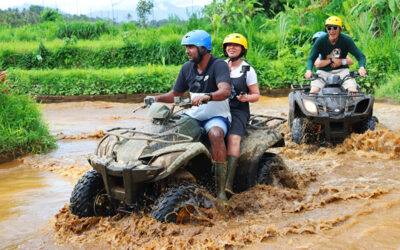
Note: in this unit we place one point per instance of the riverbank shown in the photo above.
(137, 98)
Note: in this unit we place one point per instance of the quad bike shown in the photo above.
(166, 167)
(330, 115)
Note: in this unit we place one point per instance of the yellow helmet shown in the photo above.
(334, 20)
(237, 39)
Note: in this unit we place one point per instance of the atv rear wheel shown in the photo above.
(179, 201)
(273, 171)
(89, 198)
(298, 130)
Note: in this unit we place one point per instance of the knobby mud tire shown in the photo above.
(298, 130)
(370, 124)
(177, 198)
(273, 171)
(85, 195)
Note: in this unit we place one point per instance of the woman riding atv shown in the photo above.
(244, 90)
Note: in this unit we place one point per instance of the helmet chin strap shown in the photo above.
(234, 59)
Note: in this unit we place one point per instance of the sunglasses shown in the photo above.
(332, 28)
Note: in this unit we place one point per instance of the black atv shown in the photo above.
(166, 167)
(330, 115)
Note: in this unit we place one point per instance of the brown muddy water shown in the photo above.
(348, 195)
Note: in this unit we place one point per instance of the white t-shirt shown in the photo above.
(251, 77)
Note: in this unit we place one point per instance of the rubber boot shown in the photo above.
(230, 176)
(220, 180)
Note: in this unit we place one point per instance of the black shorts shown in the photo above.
(239, 122)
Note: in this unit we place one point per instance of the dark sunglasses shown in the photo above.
(332, 28)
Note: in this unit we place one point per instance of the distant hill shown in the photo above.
(161, 11)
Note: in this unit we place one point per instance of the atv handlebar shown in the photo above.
(315, 76)
(178, 101)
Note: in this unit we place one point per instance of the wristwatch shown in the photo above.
(331, 59)
(344, 61)
(210, 95)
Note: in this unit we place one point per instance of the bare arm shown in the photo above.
(168, 97)
(223, 92)
(321, 63)
(349, 60)
(253, 96)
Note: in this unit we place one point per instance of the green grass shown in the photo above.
(22, 129)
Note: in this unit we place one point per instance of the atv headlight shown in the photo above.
(310, 106)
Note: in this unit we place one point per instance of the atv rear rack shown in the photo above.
(256, 123)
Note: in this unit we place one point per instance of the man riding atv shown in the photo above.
(168, 167)
(208, 80)
(333, 49)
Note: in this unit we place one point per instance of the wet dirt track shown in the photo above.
(348, 196)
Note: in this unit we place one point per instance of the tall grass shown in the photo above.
(22, 129)
(84, 30)
(29, 33)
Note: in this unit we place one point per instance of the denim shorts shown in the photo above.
(217, 121)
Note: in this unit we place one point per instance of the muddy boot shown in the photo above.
(220, 180)
(230, 176)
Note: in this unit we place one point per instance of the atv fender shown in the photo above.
(176, 156)
(252, 148)
(292, 108)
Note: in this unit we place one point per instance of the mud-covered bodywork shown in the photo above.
(332, 114)
(127, 158)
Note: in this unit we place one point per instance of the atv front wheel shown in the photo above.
(273, 170)
(370, 124)
(179, 201)
(89, 198)
(298, 130)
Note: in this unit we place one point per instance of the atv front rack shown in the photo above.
(130, 134)
(257, 121)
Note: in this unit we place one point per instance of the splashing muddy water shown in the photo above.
(348, 195)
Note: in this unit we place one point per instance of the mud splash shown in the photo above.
(333, 194)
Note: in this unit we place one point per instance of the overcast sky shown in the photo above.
(87, 6)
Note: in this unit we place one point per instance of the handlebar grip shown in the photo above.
(354, 74)
(314, 75)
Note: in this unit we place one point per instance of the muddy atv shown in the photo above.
(166, 167)
(331, 115)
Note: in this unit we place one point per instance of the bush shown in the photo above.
(22, 129)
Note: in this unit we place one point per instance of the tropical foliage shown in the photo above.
(278, 33)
